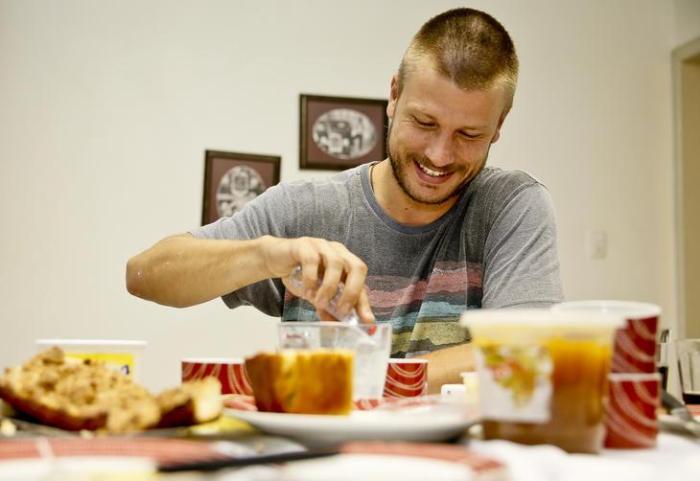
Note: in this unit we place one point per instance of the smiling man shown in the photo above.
(416, 238)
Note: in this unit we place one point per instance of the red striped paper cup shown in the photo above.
(229, 371)
(406, 378)
(635, 344)
(631, 411)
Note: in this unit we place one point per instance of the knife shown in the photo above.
(679, 410)
(213, 465)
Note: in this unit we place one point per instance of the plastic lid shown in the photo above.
(93, 342)
(540, 318)
(629, 309)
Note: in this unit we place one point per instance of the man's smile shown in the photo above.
(431, 176)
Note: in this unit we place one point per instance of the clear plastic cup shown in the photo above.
(371, 344)
(543, 375)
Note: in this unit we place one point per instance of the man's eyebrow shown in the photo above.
(414, 108)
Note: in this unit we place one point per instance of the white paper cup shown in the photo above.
(230, 372)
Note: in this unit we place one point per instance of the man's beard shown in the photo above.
(399, 165)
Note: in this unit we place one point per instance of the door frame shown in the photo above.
(679, 56)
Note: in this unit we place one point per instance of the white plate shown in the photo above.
(424, 423)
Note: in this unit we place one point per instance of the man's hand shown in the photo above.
(324, 266)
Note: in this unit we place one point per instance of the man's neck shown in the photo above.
(397, 204)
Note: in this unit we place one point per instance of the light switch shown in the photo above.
(596, 244)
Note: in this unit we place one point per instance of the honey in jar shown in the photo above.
(543, 375)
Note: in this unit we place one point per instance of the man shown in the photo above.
(416, 238)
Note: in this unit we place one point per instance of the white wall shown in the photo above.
(106, 109)
(686, 20)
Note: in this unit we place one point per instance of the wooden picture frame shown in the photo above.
(338, 133)
(232, 179)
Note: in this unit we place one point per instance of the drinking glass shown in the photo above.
(688, 352)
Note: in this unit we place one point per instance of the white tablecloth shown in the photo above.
(675, 458)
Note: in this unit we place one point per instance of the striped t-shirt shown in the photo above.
(496, 247)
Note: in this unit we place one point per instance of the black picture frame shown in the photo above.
(337, 133)
(252, 174)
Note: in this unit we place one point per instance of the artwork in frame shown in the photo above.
(341, 132)
(233, 179)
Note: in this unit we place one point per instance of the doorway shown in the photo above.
(686, 86)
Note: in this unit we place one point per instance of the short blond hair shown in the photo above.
(469, 47)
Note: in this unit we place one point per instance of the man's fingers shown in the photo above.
(333, 270)
(364, 310)
(355, 278)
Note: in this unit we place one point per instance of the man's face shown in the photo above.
(440, 135)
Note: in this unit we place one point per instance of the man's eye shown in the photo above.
(424, 123)
(469, 136)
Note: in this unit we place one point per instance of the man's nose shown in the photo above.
(439, 151)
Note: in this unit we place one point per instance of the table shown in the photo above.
(675, 458)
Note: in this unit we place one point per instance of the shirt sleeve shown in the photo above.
(264, 215)
(521, 263)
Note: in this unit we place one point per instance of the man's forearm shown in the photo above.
(183, 271)
(445, 366)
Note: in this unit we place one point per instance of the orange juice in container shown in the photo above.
(542, 375)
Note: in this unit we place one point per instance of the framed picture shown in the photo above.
(341, 132)
(231, 180)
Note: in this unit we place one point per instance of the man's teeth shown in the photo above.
(430, 172)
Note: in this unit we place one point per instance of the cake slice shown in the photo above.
(193, 402)
(306, 381)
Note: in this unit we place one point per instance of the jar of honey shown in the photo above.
(543, 375)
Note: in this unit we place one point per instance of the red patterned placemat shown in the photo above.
(484, 467)
(160, 450)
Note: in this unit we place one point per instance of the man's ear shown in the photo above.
(497, 134)
(504, 114)
(393, 96)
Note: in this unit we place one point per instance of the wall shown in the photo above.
(686, 21)
(107, 107)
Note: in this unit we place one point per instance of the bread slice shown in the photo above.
(313, 381)
(59, 417)
(193, 402)
(75, 395)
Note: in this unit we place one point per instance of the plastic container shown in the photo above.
(122, 355)
(470, 380)
(635, 344)
(543, 375)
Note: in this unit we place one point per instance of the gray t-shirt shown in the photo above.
(495, 248)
